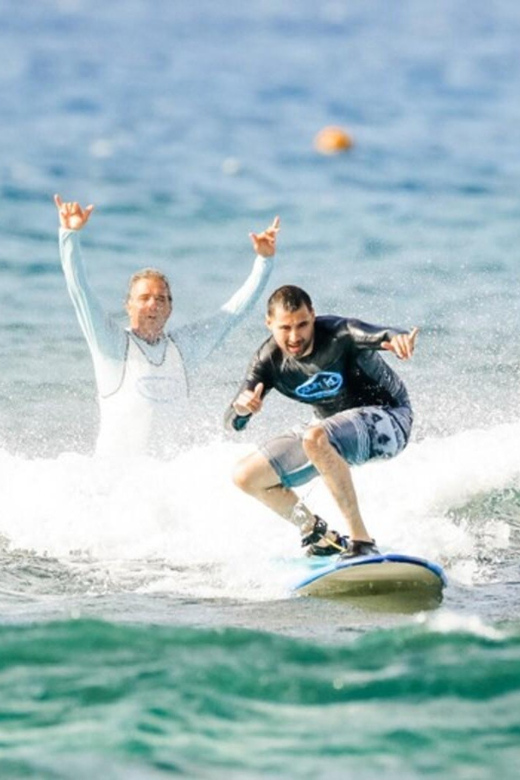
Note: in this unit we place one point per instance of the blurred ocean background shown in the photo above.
(147, 626)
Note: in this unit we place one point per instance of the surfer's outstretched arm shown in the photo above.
(105, 337)
(368, 336)
(198, 340)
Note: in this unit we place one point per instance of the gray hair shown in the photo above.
(148, 273)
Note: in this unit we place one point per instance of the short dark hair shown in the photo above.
(290, 298)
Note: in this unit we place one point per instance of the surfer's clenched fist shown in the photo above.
(72, 216)
(249, 401)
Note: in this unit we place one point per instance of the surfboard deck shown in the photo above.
(371, 574)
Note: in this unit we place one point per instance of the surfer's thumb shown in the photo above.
(259, 389)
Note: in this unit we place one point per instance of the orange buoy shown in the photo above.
(332, 140)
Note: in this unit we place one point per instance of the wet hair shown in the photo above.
(290, 298)
(148, 273)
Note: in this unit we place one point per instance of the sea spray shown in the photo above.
(187, 512)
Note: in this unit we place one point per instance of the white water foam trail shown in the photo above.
(214, 540)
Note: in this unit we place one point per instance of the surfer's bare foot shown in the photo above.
(355, 549)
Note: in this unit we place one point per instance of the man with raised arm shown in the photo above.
(142, 370)
(361, 412)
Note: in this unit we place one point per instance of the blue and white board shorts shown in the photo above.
(359, 435)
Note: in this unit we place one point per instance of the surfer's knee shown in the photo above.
(248, 473)
(315, 441)
(253, 474)
(243, 476)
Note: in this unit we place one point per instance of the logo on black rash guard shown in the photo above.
(324, 384)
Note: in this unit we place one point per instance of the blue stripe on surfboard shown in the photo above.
(363, 561)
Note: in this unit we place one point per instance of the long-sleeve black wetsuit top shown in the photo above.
(343, 371)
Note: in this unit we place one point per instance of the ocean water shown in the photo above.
(147, 623)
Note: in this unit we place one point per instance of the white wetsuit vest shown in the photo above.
(148, 413)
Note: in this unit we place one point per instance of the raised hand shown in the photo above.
(402, 345)
(249, 401)
(265, 243)
(72, 216)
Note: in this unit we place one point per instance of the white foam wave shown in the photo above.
(217, 541)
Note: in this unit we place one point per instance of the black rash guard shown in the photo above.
(343, 371)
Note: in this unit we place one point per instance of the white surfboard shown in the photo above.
(377, 574)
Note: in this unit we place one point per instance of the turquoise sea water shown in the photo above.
(147, 628)
(129, 702)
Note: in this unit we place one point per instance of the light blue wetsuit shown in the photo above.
(143, 387)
